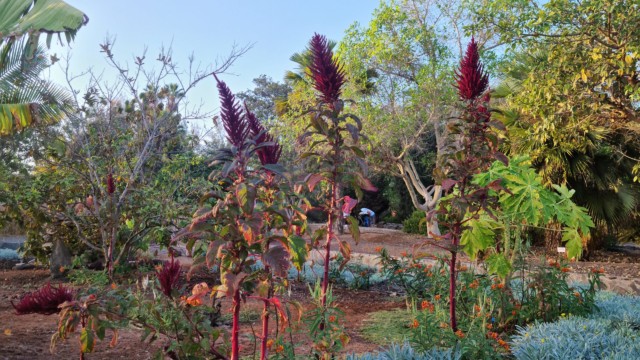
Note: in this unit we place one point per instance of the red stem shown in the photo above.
(452, 288)
(235, 346)
(330, 234)
(265, 331)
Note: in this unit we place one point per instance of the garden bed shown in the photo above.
(28, 336)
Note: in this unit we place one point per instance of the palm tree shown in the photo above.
(588, 159)
(24, 97)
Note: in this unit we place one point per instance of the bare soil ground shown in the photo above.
(28, 336)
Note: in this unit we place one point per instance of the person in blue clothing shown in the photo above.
(368, 217)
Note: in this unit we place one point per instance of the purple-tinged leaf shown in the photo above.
(277, 258)
(447, 184)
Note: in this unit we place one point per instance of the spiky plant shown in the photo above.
(25, 98)
(169, 276)
(245, 223)
(473, 152)
(336, 142)
(45, 301)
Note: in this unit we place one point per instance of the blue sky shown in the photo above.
(208, 28)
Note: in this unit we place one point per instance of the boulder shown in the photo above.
(60, 259)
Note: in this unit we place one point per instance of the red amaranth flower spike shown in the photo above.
(43, 301)
(111, 185)
(268, 154)
(327, 74)
(169, 276)
(232, 117)
(471, 80)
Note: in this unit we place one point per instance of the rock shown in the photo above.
(24, 266)
(392, 226)
(60, 259)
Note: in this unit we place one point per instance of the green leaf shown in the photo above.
(130, 223)
(478, 236)
(498, 264)
(87, 340)
(100, 330)
(573, 243)
(354, 229)
(18, 17)
(298, 248)
(246, 196)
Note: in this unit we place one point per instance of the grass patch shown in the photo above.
(246, 316)
(386, 327)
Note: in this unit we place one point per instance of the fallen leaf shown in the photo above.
(8, 332)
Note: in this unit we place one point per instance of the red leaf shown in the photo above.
(312, 180)
(495, 185)
(447, 184)
(502, 158)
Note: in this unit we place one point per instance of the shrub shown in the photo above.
(489, 308)
(618, 308)
(406, 352)
(44, 301)
(577, 338)
(415, 224)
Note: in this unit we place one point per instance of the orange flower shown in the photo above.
(404, 254)
(474, 284)
(464, 268)
(577, 294)
(379, 249)
(332, 318)
(437, 297)
(493, 286)
(279, 349)
(513, 312)
(489, 326)
(493, 335)
(415, 323)
(565, 269)
(269, 344)
(459, 334)
(427, 306)
(476, 308)
(199, 291)
(500, 286)
(113, 286)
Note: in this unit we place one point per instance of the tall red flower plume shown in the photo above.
(233, 120)
(44, 301)
(327, 74)
(267, 154)
(169, 276)
(111, 185)
(471, 79)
